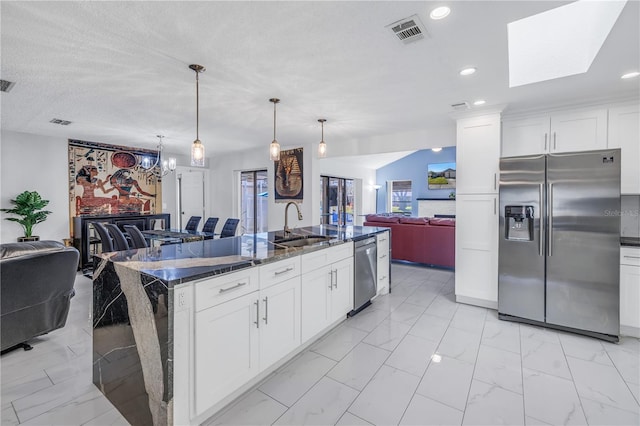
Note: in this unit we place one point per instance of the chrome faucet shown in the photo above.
(286, 221)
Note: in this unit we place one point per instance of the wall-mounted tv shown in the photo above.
(441, 175)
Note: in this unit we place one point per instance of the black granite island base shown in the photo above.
(133, 312)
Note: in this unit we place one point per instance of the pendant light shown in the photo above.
(167, 165)
(322, 147)
(197, 149)
(274, 148)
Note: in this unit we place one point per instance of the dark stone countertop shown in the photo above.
(180, 263)
(630, 241)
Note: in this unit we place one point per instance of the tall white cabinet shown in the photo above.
(624, 133)
(477, 157)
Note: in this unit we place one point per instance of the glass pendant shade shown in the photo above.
(274, 151)
(322, 149)
(197, 154)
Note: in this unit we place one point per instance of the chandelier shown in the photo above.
(197, 149)
(166, 166)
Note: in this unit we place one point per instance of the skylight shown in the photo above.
(559, 42)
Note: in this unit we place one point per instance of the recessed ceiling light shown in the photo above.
(440, 12)
(468, 71)
(630, 75)
(436, 358)
(436, 149)
(480, 102)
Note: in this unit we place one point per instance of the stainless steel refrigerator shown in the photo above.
(559, 245)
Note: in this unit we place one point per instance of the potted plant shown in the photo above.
(28, 206)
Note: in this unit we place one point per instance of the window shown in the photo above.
(254, 198)
(401, 196)
(338, 201)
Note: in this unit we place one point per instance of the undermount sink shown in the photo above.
(300, 241)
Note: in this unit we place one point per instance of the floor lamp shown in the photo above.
(377, 188)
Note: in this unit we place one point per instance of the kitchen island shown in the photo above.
(181, 330)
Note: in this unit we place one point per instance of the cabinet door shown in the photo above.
(342, 290)
(279, 321)
(527, 136)
(624, 133)
(383, 262)
(226, 349)
(478, 154)
(316, 299)
(477, 248)
(630, 296)
(579, 131)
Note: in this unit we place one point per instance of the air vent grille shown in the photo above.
(60, 122)
(6, 86)
(408, 30)
(461, 106)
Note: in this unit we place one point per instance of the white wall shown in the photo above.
(35, 163)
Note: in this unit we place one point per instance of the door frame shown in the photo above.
(237, 193)
(206, 191)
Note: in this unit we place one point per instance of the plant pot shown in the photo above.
(27, 239)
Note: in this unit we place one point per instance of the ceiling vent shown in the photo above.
(409, 29)
(461, 106)
(60, 122)
(6, 86)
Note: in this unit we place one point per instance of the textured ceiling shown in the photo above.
(119, 70)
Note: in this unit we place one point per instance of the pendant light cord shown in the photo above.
(274, 121)
(322, 123)
(197, 106)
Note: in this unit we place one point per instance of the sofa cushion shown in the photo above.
(382, 219)
(414, 220)
(442, 222)
(10, 250)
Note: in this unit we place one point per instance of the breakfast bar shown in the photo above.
(181, 330)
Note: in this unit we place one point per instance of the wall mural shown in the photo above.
(288, 176)
(108, 179)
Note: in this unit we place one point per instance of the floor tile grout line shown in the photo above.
(622, 377)
(573, 381)
(464, 413)
(524, 405)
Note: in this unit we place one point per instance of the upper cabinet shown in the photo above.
(478, 154)
(624, 133)
(570, 131)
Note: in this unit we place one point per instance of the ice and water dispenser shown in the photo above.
(518, 224)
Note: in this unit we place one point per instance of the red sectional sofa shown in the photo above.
(417, 239)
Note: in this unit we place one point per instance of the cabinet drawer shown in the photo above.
(213, 291)
(324, 257)
(383, 246)
(274, 273)
(630, 256)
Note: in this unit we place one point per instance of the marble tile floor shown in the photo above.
(414, 357)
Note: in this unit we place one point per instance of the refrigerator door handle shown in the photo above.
(545, 142)
(541, 242)
(550, 216)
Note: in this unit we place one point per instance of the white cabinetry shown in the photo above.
(226, 349)
(477, 249)
(383, 262)
(570, 131)
(478, 155)
(327, 288)
(624, 133)
(630, 291)
(280, 321)
(478, 152)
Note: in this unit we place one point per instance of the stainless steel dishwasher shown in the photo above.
(365, 259)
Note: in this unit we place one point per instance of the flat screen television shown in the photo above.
(441, 175)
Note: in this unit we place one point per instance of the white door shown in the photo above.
(315, 302)
(191, 196)
(226, 349)
(342, 292)
(279, 321)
